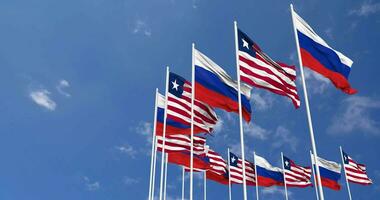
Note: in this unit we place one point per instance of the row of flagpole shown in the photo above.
(162, 191)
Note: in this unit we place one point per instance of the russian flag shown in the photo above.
(267, 175)
(330, 173)
(317, 55)
(172, 126)
(216, 88)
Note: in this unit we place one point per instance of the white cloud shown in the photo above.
(355, 114)
(127, 149)
(275, 190)
(130, 181)
(262, 101)
(61, 86)
(315, 82)
(41, 97)
(219, 126)
(256, 131)
(141, 27)
(91, 186)
(366, 8)
(145, 129)
(329, 33)
(283, 137)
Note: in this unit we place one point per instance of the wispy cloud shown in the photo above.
(366, 8)
(355, 114)
(130, 180)
(316, 82)
(274, 190)
(91, 186)
(41, 97)
(256, 131)
(145, 129)
(141, 27)
(262, 101)
(62, 85)
(127, 149)
(283, 137)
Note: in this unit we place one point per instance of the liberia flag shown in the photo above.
(355, 172)
(236, 171)
(179, 143)
(218, 168)
(317, 55)
(200, 161)
(295, 175)
(259, 70)
(216, 88)
(179, 109)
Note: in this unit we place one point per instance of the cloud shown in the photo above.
(355, 114)
(127, 149)
(329, 33)
(219, 126)
(130, 181)
(91, 186)
(315, 82)
(256, 131)
(141, 27)
(41, 97)
(262, 101)
(367, 8)
(274, 190)
(145, 129)
(61, 86)
(283, 137)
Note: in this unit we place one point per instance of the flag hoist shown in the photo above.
(310, 123)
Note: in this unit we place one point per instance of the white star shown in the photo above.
(175, 85)
(233, 159)
(245, 44)
(286, 163)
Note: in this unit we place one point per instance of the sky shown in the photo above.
(77, 88)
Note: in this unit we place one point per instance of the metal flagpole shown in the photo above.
(283, 172)
(307, 108)
(192, 120)
(154, 167)
(166, 174)
(229, 175)
(256, 179)
(345, 173)
(153, 147)
(204, 185)
(315, 178)
(240, 112)
(183, 183)
(164, 133)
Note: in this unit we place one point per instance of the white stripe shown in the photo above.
(329, 165)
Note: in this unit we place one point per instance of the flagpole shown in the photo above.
(345, 173)
(256, 178)
(164, 133)
(204, 186)
(153, 147)
(154, 166)
(315, 179)
(166, 174)
(192, 120)
(307, 109)
(183, 183)
(229, 175)
(283, 172)
(240, 113)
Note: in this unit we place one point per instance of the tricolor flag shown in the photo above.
(259, 70)
(267, 175)
(216, 88)
(330, 173)
(295, 175)
(317, 55)
(236, 171)
(179, 109)
(355, 172)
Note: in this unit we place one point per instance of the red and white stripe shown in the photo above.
(298, 176)
(261, 71)
(179, 109)
(236, 173)
(177, 143)
(356, 173)
(217, 164)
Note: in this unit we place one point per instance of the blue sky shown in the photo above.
(78, 80)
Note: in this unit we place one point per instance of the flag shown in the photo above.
(236, 171)
(268, 175)
(179, 143)
(295, 175)
(216, 88)
(179, 109)
(218, 168)
(317, 55)
(200, 161)
(329, 172)
(259, 70)
(355, 172)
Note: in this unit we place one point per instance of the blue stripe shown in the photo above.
(277, 176)
(329, 174)
(326, 56)
(170, 122)
(212, 82)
